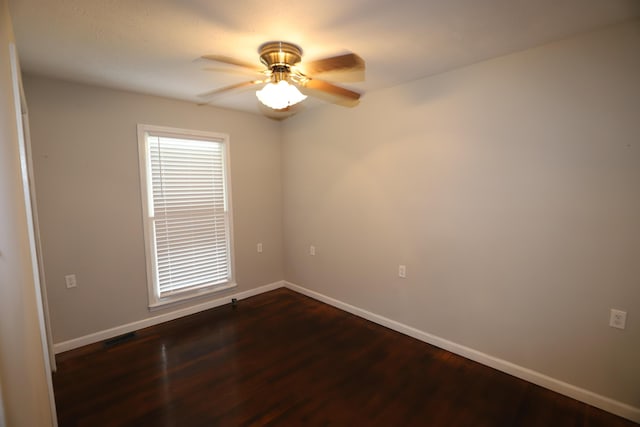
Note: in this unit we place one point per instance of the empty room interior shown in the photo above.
(346, 213)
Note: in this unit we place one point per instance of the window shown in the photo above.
(187, 215)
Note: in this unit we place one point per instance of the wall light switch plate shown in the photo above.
(259, 248)
(402, 271)
(70, 280)
(312, 250)
(618, 319)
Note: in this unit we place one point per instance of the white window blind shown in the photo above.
(188, 214)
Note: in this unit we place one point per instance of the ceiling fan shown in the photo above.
(285, 77)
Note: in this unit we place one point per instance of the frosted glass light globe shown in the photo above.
(280, 95)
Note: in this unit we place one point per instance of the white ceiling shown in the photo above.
(153, 46)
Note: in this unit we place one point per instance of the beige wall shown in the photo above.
(86, 169)
(24, 391)
(510, 189)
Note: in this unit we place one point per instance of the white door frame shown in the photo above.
(36, 232)
(24, 146)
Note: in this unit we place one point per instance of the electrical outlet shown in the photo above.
(402, 271)
(259, 248)
(70, 280)
(312, 250)
(618, 319)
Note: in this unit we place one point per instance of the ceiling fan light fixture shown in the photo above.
(280, 95)
(283, 77)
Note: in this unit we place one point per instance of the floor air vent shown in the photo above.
(119, 340)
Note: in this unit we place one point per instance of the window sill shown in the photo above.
(187, 297)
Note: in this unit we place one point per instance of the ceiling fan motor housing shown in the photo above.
(279, 54)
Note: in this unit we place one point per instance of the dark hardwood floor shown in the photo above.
(283, 359)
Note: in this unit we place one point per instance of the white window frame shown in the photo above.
(155, 301)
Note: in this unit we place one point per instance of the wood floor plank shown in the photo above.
(282, 359)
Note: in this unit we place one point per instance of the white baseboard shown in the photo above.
(161, 318)
(586, 396)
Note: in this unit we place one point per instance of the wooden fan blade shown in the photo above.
(341, 76)
(215, 92)
(330, 92)
(232, 61)
(347, 63)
